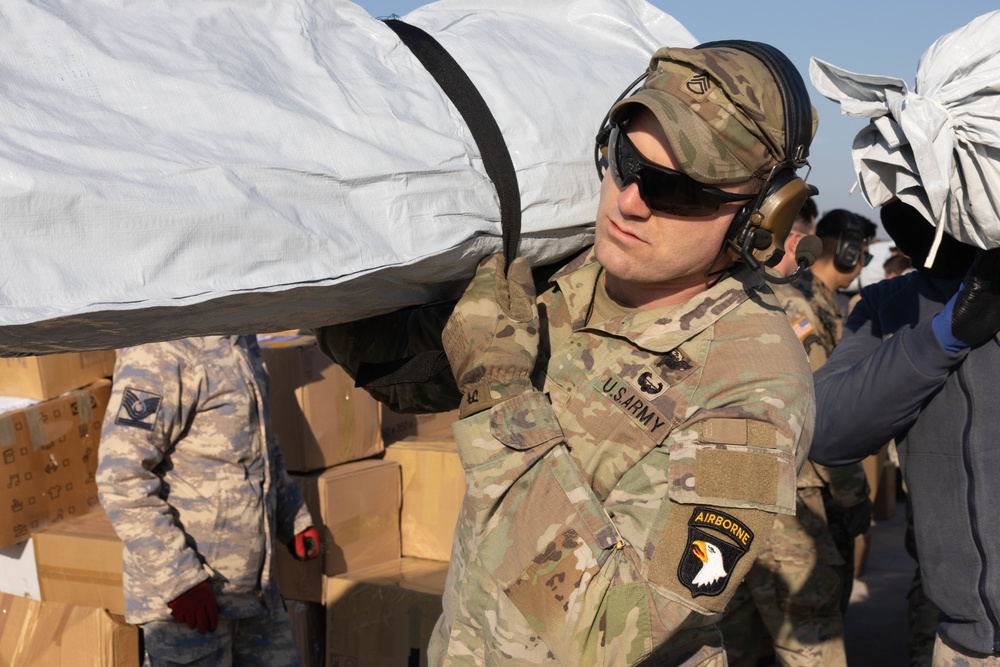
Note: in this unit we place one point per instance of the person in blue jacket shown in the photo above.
(919, 362)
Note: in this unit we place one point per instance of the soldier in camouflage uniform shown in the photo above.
(801, 584)
(804, 225)
(630, 434)
(193, 482)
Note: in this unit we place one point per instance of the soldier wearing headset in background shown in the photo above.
(800, 586)
(193, 482)
(804, 225)
(629, 434)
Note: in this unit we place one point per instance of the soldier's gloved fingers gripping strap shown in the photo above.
(491, 338)
(725, 489)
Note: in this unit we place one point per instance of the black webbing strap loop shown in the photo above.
(457, 85)
(459, 88)
(421, 367)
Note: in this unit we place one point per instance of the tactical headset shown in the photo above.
(758, 231)
(850, 244)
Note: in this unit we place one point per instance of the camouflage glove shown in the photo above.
(976, 314)
(491, 338)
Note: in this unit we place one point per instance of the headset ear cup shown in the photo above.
(775, 211)
(848, 254)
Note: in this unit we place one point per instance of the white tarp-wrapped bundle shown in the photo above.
(936, 147)
(179, 167)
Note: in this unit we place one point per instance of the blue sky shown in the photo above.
(873, 37)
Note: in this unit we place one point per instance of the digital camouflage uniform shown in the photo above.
(193, 482)
(801, 582)
(611, 512)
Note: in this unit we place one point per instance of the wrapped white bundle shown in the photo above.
(177, 167)
(936, 147)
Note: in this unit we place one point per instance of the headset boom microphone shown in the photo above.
(807, 250)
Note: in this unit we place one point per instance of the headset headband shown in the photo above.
(794, 96)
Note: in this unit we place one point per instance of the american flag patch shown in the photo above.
(802, 327)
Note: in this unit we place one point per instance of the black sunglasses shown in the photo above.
(665, 190)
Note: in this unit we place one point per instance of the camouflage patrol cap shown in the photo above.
(721, 110)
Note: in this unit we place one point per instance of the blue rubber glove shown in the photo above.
(942, 326)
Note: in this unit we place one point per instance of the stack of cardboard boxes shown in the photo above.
(375, 595)
(48, 457)
(384, 490)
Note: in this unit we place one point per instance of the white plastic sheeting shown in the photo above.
(936, 147)
(179, 167)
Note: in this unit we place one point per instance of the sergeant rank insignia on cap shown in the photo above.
(712, 553)
(139, 409)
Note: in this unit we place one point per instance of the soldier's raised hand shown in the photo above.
(491, 338)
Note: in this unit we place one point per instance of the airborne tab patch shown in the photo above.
(139, 409)
(710, 558)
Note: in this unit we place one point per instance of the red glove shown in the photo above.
(305, 545)
(196, 607)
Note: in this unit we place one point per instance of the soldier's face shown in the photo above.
(652, 258)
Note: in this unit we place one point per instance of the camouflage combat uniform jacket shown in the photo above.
(192, 478)
(610, 514)
(804, 300)
(818, 321)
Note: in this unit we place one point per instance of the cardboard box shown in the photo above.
(18, 573)
(397, 426)
(80, 562)
(50, 375)
(309, 630)
(49, 634)
(433, 489)
(320, 418)
(48, 458)
(356, 508)
(383, 616)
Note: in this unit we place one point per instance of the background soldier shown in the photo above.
(193, 482)
(628, 435)
(804, 225)
(799, 588)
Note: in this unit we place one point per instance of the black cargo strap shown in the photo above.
(459, 88)
(425, 366)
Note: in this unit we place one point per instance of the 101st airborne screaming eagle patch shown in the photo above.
(716, 542)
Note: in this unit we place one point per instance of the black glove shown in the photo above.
(976, 314)
(858, 519)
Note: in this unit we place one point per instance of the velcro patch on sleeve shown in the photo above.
(737, 475)
(747, 432)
